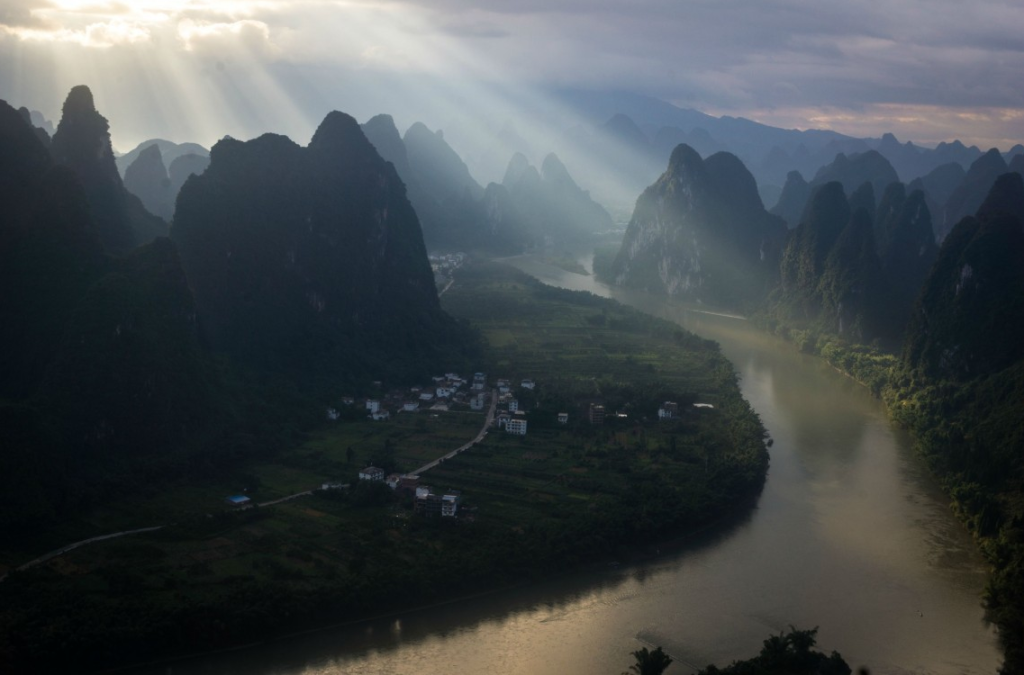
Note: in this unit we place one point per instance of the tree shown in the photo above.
(649, 663)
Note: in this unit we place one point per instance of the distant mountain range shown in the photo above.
(529, 209)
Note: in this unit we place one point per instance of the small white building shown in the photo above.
(444, 392)
(477, 402)
(372, 473)
(516, 426)
(372, 404)
(527, 384)
(333, 414)
(426, 396)
(513, 405)
(410, 406)
(380, 416)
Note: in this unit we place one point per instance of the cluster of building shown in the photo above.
(426, 501)
(508, 414)
(440, 395)
(444, 264)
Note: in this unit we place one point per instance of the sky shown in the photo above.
(196, 70)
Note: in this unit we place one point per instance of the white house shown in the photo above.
(372, 404)
(380, 416)
(411, 406)
(527, 384)
(445, 392)
(477, 402)
(513, 405)
(426, 396)
(333, 414)
(372, 473)
(516, 426)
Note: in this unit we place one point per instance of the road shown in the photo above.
(70, 547)
(479, 437)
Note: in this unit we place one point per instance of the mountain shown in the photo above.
(803, 261)
(938, 185)
(169, 151)
(147, 179)
(851, 285)
(383, 134)
(907, 251)
(184, 166)
(310, 260)
(701, 232)
(437, 167)
(1017, 163)
(972, 190)
(549, 201)
(793, 199)
(853, 171)
(82, 143)
(969, 315)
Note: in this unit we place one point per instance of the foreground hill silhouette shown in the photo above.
(101, 358)
(310, 259)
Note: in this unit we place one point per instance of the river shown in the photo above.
(851, 534)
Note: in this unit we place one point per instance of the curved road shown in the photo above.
(479, 437)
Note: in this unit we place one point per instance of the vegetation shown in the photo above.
(786, 654)
(649, 663)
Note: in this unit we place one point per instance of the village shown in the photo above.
(451, 392)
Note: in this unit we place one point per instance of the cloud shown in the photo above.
(216, 39)
(22, 14)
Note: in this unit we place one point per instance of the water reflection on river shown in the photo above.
(850, 534)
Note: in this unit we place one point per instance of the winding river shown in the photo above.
(851, 535)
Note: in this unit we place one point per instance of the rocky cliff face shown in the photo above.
(309, 258)
(701, 232)
(968, 319)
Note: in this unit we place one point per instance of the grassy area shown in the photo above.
(533, 505)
